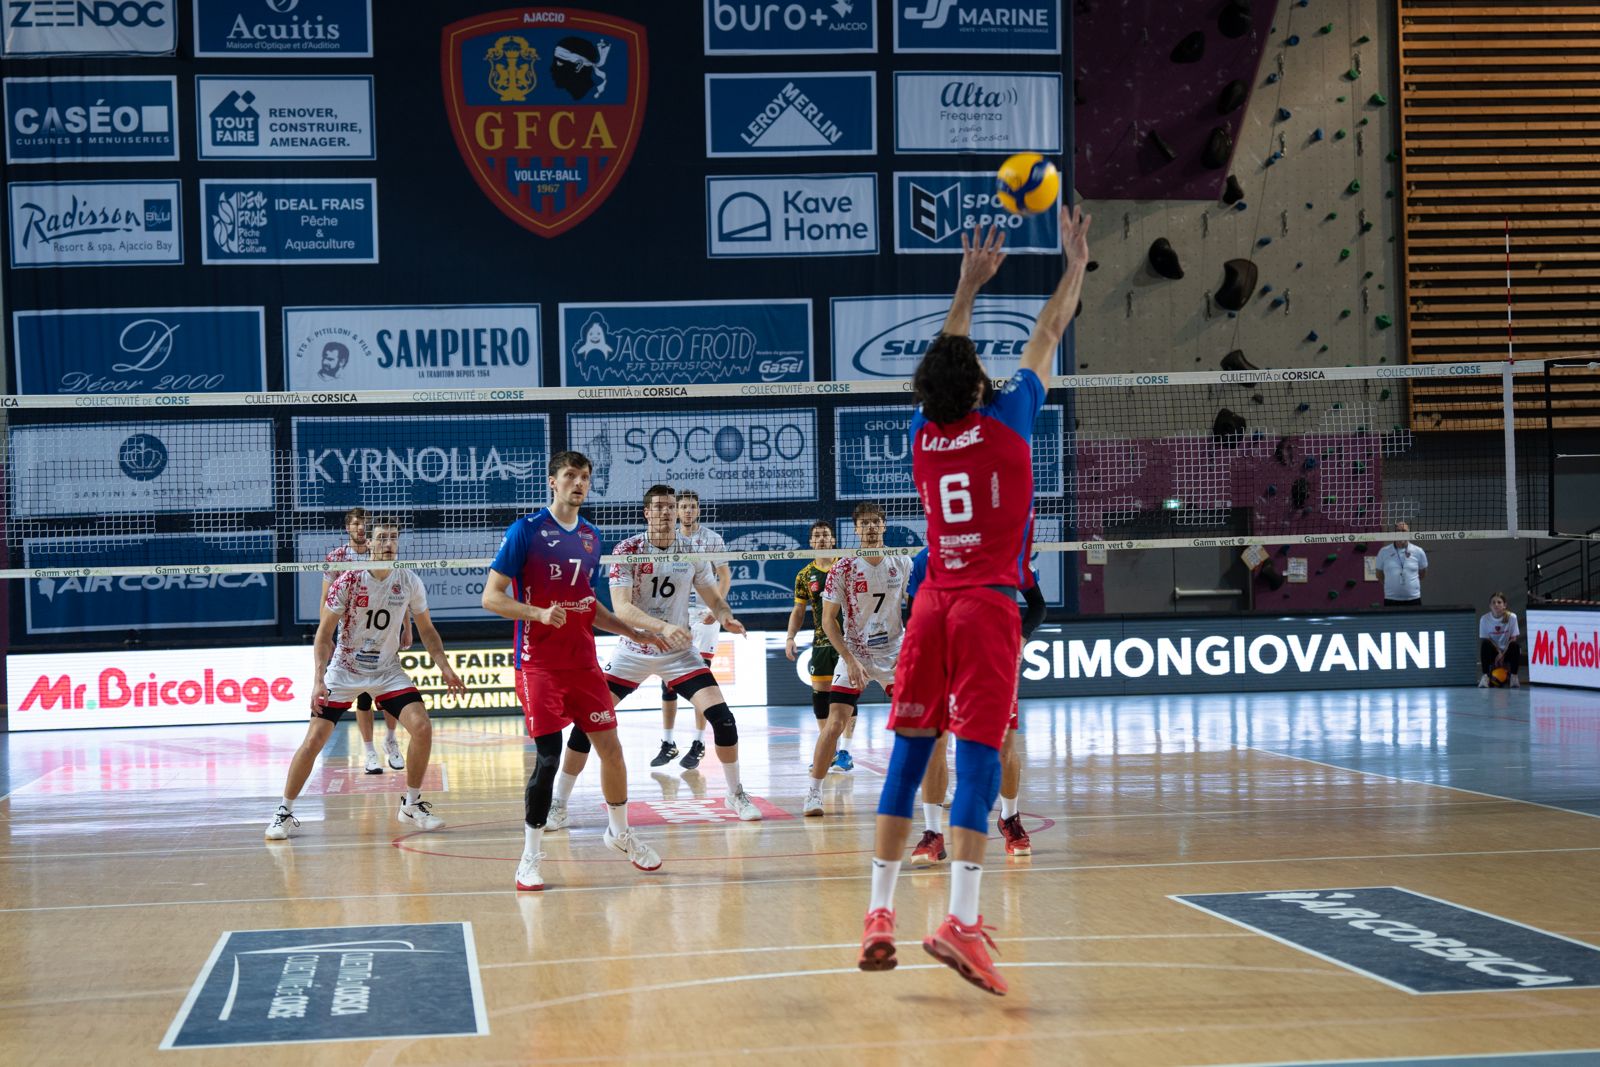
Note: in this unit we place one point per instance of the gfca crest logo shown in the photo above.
(546, 106)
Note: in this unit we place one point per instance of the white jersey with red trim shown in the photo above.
(870, 592)
(368, 639)
(703, 540)
(345, 553)
(661, 590)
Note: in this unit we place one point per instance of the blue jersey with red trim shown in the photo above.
(919, 571)
(975, 478)
(1027, 577)
(551, 564)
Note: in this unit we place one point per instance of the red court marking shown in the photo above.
(342, 781)
(401, 843)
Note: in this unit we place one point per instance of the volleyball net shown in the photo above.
(197, 483)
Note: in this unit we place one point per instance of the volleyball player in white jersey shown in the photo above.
(366, 607)
(655, 597)
(703, 628)
(861, 608)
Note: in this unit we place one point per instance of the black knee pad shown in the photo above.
(548, 748)
(667, 693)
(579, 741)
(724, 731)
(819, 704)
(364, 702)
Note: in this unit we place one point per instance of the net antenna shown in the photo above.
(1508, 402)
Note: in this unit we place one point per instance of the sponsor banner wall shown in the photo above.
(81, 120)
(878, 337)
(185, 687)
(62, 469)
(977, 112)
(765, 454)
(1015, 27)
(681, 343)
(811, 114)
(95, 224)
(141, 350)
(792, 215)
(481, 346)
(280, 116)
(452, 594)
(289, 220)
(88, 27)
(758, 27)
(1562, 647)
(932, 209)
(151, 601)
(872, 452)
(274, 29)
(1226, 654)
(382, 463)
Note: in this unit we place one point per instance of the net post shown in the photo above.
(1508, 404)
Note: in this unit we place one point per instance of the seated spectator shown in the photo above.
(1498, 645)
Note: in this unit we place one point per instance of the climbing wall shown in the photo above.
(1290, 264)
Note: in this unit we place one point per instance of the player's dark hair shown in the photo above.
(657, 490)
(383, 522)
(866, 509)
(562, 460)
(950, 380)
(820, 524)
(688, 494)
(355, 513)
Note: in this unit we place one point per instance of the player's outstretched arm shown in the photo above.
(435, 646)
(719, 608)
(981, 257)
(1039, 354)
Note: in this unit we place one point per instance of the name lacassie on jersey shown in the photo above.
(870, 593)
(660, 588)
(369, 633)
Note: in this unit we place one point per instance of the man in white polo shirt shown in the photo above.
(1403, 566)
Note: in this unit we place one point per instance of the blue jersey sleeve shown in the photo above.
(1018, 404)
(513, 554)
(919, 571)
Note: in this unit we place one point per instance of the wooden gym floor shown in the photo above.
(124, 855)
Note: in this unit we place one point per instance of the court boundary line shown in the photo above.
(1407, 1059)
(1432, 785)
(724, 883)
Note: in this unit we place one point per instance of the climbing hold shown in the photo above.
(1344, 253)
(1389, 195)
(1311, 463)
(1363, 39)
(1383, 322)
(1354, 186)
(1240, 206)
(1377, 100)
(1232, 97)
(1166, 150)
(1392, 157)
(1284, 114)
(1333, 594)
(1292, 40)
(1272, 79)
(1191, 49)
(1257, 398)
(1263, 242)
(1235, 361)
(1363, 122)
(1231, 191)
(1234, 19)
(1380, 288)
(1278, 301)
(1218, 150)
(1340, 99)
(1092, 266)
(1360, 467)
(1265, 289)
(1324, 348)
(1302, 408)
(1272, 490)
(1326, 29)
(1297, 266)
(1228, 427)
(1331, 557)
(1367, 275)
(1353, 73)
(1312, 336)
(1338, 135)
(1316, 134)
(1366, 227)
(1330, 216)
(1164, 259)
(1345, 314)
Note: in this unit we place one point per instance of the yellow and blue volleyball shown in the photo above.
(1027, 184)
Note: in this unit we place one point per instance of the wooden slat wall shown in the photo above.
(1500, 119)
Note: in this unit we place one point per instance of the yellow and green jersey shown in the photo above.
(808, 587)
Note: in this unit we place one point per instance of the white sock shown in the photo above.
(388, 732)
(933, 815)
(288, 804)
(884, 873)
(816, 783)
(372, 748)
(412, 796)
(964, 891)
(617, 816)
(1009, 806)
(730, 771)
(564, 784)
(531, 840)
(666, 736)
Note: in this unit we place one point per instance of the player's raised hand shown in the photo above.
(555, 615)
(452, 680)
(981, 255)
(1075, 235)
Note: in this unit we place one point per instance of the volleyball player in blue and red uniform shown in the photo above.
(543, 578)
(972, 462)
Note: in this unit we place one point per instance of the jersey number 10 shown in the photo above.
(378, 620)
